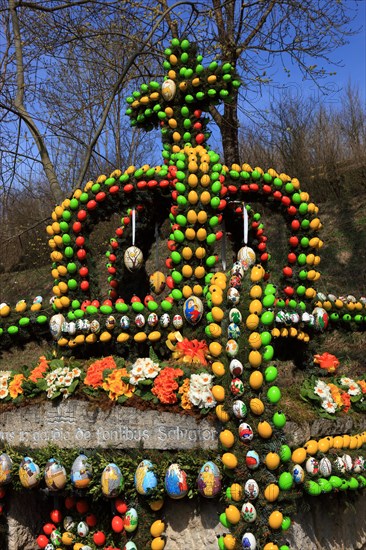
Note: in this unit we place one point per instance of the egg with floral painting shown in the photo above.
(145, 477)
(152, 320)
(248, 541)
(177, 321)
(82, 529)
(29, 473)
(130, 521)
(130, 545)
(81, 472)
(248, 512)
(237, 387)
(239, 409)
(6, 465)
(245, 432)
(347, 461)
(251, 489)
(56, 538)
(339, 465)
(298, 474)
(358, 465)
(321, 318)
(233, 296)
(112, 481)
(176, 484)
(55, 475)
(232, 348)
(209, 480)
(312, 466)
(235, 282)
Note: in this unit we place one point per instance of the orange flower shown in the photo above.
(336, 394)
(165, 385)
(116, 386)
(346, 399)
(15, 386)
(184, 391)
(362, 384)
(191, 351)
(94, 374)
(39, 370)
(327, 361)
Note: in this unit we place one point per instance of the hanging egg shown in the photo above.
(358, 465)
(145, 477)
(237, 387)
(237, 270)
(140, 320)
(235, 316)
(248, 541)
(112, 481)
(55, 475)
(251, 489)
(236, 367)
(246, 256)
(176, 482)
(68, 523)
(193, 310)
(37, 300)
(82, 325)
(298, 474)
(239, 409)
(82, 529)
(6, 465)
(295, 318)
(133, 258)
(321, 318)
(130, 520)
(81, 472)
(235, 282)
(168, 89)
(56, 323)
(248, 512)
(56, 538)
(177, 321)
(125, 322)
(152, 320)
(110, 322)
(245, 432)
(29, 473)
(94, 327)
(252, 459)
(233, 331)
(209, 480)
(339, 465)
(71, 328)
(232, 348)
(165, 320)
(325, 467)
(233, 296)
(347, 461)
(312, 466)
(283, 318)
(157, 282)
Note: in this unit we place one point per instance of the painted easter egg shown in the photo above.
(140, 320)
(358, 464)
(38, 300)
(235, 282)
(245, 432)
(56, 323)
(130, 520)
(94, 327)
(82, 529)
(193, 310)
(237, 270)
(176, 482)
(168, 89)
(209, 480)
(347, 460)
(232, 348)
(112, 481)
(236, 367)
(312, 466)
(239, 409)
(133, 258)
(56, 538)
(237, 387)
(339, 465)
(325, 467)
(6, 465)
(152, 320)
(248, 512)
(71, 328)
(29, 473)
(68, 523)
(145, 477)
(110, 322)
(248, 541)
(81, 472)
(233, 331)
(130, 545)
(125, 322)
(233, 296)
(321, 318)
(177, 321)
(235, 316)
(246, 256)
(298, 474)
(251, 489)
(165, 320)
(55, 475)
(252, 460)
(157, 282)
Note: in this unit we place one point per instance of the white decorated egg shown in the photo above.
(235, 316)
(347, 460)
(298, 474)
(246, 256)
(339, 465)
(177, 321)
(233, 331)
(232, 348)
(358, 465)
(125, 322)
(133, 258)
(248, 541)
(82, 529)
(130, 520)
(94, 327)
(321, 318)
(165, 320)
(56, 323)
(248, 512)
(251, 489)
(233, 296)
(239, 409)
(140, 320)
(237, 270)
(152, 320)
(237, 387)
(312, 466)
(245, 432)
(168, 89)
(193, 310)
(325, 467)
(252, 459)
(236, 367)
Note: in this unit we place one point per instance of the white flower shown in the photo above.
(50, 393)
(68, 380)
(4, 393)
(64, 393)
(75, 372)
(322, 390)
(354, 389)
(208, 399)
(346, 381)
(329, 405)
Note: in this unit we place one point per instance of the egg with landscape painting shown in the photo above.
(110, 322)
(133, 258)
(29, 473)
(94, 327)
(81, 472)
(130, 520)
(176, 484)
(209, 480)
(6, 465)
(145, 477)
(112, 481)
(55, 475)
(321, 318)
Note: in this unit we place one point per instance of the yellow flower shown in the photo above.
(116, 386)
(15, 386)
(184, 391)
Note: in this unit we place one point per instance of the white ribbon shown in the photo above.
(133, 213)
(245, 224)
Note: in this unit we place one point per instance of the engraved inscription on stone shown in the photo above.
(74, 423)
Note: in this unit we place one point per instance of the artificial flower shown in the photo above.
(327, 361)
(191, 351)
(165, 385)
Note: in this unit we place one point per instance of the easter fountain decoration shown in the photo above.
(235, 314)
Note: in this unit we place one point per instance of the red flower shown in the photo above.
(327, 361)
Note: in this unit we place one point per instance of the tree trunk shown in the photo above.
(229, 132)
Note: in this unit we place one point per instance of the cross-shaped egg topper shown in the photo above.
(188, 90)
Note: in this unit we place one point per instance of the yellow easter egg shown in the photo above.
(256, 380)
(201, 234)
(256, 406)
(311, 447)
(198, 290)
(236, 492)
(192, 182)
(218, 392)
(255, 291)
(190, 233)
(123, 337)
(254, 340)
(229, 460)
(200, 253)
(154, 336)
(157, 544)
(215, 330)
(272, 461)
(191, 216)
(217, 314)
(229, 542)
(91, 339)
(199, 272)
(227, 438)
(105, 336)
(215, 349)
(157, 528)
(275, 519)
(252, 321)
(140, 337)
(255, 306)
(187, 291)
(271, 492)
(205, 197)
(221, 414)
(218, 368)
(232, 514)
(255, 359)
(187, 253)
(202, 216)
(299, 455)
(192, 195)
(265, 429)
(187, 271)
